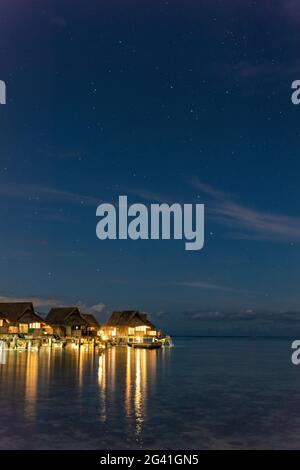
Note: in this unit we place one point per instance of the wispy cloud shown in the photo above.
(45, 194)
(37, 301)
(152, 196)
(96, 308)
(210, 286)
(52, 302)
(279, 73)
(261, 316)
(209, 190)
(224, 208)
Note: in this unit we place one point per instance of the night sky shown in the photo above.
(171, 101)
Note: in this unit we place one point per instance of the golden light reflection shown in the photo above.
(102, 386)
(112, 369)
(128, 382)
(3, 356)
(126, 373)
(31, 383)
(122, 380)
(101, 371)
(80, 365)
(138, 397)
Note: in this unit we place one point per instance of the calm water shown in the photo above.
(204, 393)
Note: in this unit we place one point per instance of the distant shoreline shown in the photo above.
(234, 336)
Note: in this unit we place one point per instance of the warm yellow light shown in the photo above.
(13, 329)
(100, 369)
(141, 328)
(23, 328)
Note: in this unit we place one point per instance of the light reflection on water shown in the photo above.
(204, 393)
(135, 368)
(111, 385)
(31, 380)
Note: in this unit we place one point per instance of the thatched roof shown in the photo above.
(65, 316)
(22, 312)
(130, 318)
(91, 320)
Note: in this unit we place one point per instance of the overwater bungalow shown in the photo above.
(67, 321)
(20, 317)
(128, 326)
(93, 326)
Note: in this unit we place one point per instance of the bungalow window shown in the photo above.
(114, 332)
(35, 326)
(152, 333)
(131, 331)
(1, 323)
(23, 327)
(141, 328)
(13, 329)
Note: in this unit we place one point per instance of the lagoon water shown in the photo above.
(205, 393)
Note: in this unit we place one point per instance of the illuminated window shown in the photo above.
(1, 322)
(141, 328)
(23, 327)
(13, 329)
(35, 325)
(131, 331)
(114, 332)
(152, 333)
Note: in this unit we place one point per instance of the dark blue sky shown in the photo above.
(171, 101)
